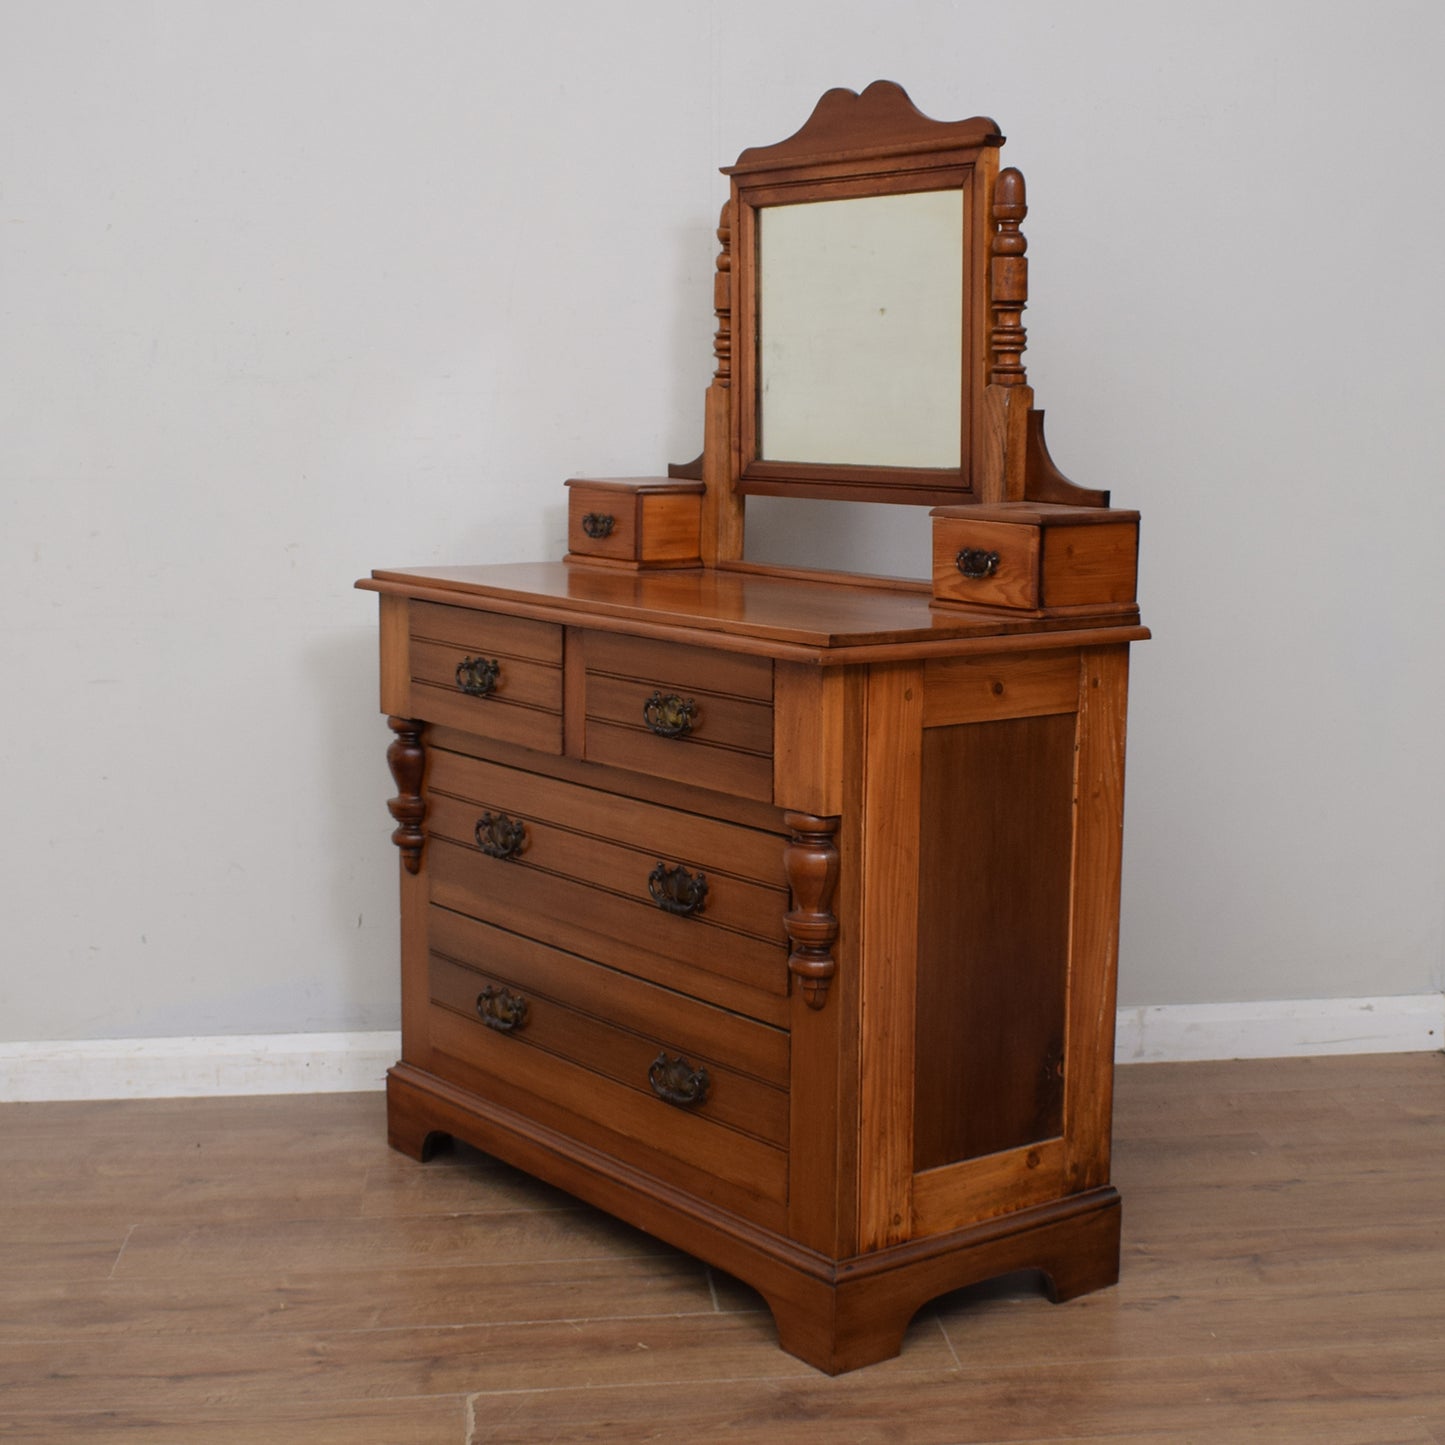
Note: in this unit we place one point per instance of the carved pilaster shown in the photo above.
(407, 759)
(722, 294)
(1008, 280)
(810, 861)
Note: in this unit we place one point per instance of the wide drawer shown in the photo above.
(688, 1093)
(487, 673)
(688, 901)
(611, 1023)
(680, 712)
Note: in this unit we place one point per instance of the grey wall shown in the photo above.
(293, 290)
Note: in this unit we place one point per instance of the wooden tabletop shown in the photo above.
(828, 619)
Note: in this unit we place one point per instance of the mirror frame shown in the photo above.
(875, 143)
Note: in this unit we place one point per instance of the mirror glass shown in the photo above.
(860, 330)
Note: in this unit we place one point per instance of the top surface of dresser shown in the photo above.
(817, 619)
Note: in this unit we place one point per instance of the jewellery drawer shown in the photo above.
(658, 1080)
(684, 900)
(634, 522)
(487, 673)
(1035, 556)
(680, 712)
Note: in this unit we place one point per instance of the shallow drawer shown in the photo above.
(686, 713)
(736, 1070)
(1035, 556)
(684, 900)
(635, 523)
(490, 674)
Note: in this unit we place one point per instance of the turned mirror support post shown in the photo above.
(1008, 398)
(722, 512)
(1009, 280)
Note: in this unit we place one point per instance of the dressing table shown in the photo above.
(774, 910)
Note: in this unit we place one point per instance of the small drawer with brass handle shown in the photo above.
(634, 522)
(1037, 557)
(486, 673)
(693, 714)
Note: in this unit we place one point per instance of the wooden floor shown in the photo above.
(265, 1270)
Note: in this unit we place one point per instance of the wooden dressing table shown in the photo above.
(774, 911)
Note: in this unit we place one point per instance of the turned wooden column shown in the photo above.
(811, 862)
(407, 759)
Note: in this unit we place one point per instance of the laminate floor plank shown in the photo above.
(254, 1269)
(432, 1241)
(1132, 1323)
(473, 1182)
(230, 1371)
(1299, 1396)
(426, 1420)
(356, 1299)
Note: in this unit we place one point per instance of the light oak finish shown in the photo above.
(776, 912)
(191, 1272)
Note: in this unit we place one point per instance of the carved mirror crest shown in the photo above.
(860, 250)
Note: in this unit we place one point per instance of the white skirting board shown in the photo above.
(352, 1062)
(1292, 1028)
(186, 1067)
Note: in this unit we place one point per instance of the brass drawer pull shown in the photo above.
(669, 716)
(501, 1009)
(976, 564)
(675, 1081)
(676, 890)
(477, 676)
(597, 525)
(499, 836)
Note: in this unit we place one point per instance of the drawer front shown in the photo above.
(611, 1023)
(685, 713)
(690, 902)
(991, 564)
(579, 1050)
(602, 523)
(489, 674)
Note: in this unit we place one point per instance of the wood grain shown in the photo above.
(1094, 912)
(888, 930)
(1282, 1282)
(997, 842)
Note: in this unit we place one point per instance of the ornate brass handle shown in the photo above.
(675, 889)
(975, 563)
(675, 1081)
(597, 524)
(669, 716)
(501, 1009)
(477, 676)
(499, 836)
